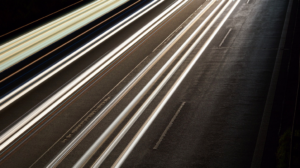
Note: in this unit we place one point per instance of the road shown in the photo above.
(224, 96)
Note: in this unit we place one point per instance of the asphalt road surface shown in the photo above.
(220, 102)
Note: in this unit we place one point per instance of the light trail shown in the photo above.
(23, 47)
(36, 81)
(64, 44)
(114, 101)
(159, 107)
(28, 121)
(40, 19)
(98, 143)
(43, 29)
(136, 100)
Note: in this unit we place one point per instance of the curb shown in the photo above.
(263, 130)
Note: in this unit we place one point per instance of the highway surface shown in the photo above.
(200, 103)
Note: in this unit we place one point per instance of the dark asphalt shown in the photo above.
(225, 95)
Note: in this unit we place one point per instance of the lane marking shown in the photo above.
(225, 37)
(169, 126)
(248, 1)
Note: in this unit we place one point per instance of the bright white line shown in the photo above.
(168, 127)
(159, 107)
(248, 1)
(225, 37)
(51, 103)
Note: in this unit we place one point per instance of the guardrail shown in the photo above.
(294, 156)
